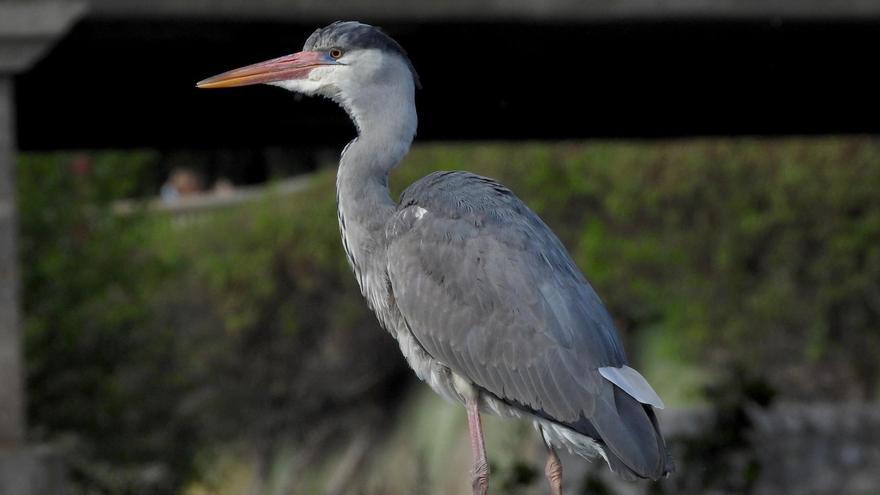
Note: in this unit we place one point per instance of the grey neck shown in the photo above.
(362, 179)
(386, 124)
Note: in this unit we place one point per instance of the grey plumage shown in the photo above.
(631, 382)
(484, 300)
(488, 290)
(473, 283)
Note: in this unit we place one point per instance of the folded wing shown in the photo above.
(487, 289)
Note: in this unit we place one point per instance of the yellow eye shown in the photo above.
(335, 52)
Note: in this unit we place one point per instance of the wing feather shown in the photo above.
(488, 285)
(489, 291)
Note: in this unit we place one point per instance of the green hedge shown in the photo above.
(151, 340)
(756, 253)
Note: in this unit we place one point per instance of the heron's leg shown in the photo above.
(553, 470)
(480, 480)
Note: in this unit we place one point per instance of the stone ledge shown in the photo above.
(34, 470)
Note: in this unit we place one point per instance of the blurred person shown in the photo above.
(181, 182)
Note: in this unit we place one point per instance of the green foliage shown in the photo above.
(279, 326)
(151, 337)
(87, 285)
(758, 253)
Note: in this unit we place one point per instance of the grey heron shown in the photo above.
(486, 304)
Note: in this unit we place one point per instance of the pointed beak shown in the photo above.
(296, 66)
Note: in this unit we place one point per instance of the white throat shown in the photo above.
(382, 107)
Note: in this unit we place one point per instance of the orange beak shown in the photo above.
(296, 66)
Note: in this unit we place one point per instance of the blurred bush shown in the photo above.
(151, 341)
(763, 254)
(87, 288)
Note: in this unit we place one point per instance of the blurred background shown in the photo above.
(176, 312)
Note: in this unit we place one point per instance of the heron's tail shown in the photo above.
(634, 445)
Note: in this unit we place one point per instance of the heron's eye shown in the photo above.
(335, 53)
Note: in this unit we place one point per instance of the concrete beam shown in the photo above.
(28, 29)
(505, 10)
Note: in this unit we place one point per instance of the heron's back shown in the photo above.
(487, 289)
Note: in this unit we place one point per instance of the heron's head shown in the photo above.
(345, 61)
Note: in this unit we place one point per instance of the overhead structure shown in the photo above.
(567, 11)
(651, 69)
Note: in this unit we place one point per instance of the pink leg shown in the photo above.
(480, 481)
(553, 470)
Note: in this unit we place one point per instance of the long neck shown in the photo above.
(386, 123)
(362, 179)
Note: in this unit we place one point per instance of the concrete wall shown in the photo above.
(32, 471)
(11, 395)
(27, 30)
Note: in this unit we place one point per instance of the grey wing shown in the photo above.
(487, 289)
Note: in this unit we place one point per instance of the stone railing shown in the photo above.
(186, 209)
